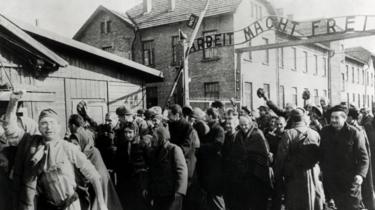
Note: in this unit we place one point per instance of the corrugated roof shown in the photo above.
(89, 49)
(160, 15)
(18, 32)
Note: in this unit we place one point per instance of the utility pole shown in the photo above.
(186, 79)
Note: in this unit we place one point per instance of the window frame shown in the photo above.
(151, 53)
(213, 49)
(206, 92)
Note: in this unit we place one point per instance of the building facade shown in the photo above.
(220, 72)
(357, 78)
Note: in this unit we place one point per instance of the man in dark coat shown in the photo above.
(296, 162)
(210, 162)
(344, 160)
(247, 162)
(131, 168)
(367, 186)
(105, 138)
(168, 172)
(370, 131)
(182, 135)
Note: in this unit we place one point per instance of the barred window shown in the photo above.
(211, 90)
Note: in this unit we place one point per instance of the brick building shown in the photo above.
(217, 73)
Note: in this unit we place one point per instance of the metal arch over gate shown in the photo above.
(301, 33)
(307, 32)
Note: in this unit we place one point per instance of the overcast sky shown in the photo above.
(64, 17)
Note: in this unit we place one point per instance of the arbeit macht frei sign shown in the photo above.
(298, 30)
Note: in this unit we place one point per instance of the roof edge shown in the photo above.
(21, 34)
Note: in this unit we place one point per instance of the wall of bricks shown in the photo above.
(120, 38)
(200, 70)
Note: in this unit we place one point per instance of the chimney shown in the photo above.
(147, 6)
(290, 16)
(171, 5)
(280, 12)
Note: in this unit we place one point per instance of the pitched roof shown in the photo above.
(101, 8)
(160, 15)
(18, 32)
(156, 74)
(358, 53)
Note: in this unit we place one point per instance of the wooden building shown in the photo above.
(58, 72)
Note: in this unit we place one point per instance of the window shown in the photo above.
(209, 52)
(316, 96)
(364, 101)
(252, 9)
(324, 67)
(248, 94)
(359, 101)
(305, 61)
(353, 98)
(266, 60)
(281, 57)
(363, 77)
(342, 82)
(260, 12)
(109, 26)
(256, 11)
(266, 88)
(211, 90)
(282, 95)
(107, 48)
(347, 98)
(148, 53)
(175, 40)
(294, 96)
(358, 76)
(316, 64)
(325, 93)
(151, 96)
(353, 75)
(102, 27)
(294, 58)
(250, 53)
(106, 27)
(368, 101)
(347, 73)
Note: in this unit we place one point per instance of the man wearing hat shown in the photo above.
(366, 117)
(125, 114)
(296, 164)
(344, 160)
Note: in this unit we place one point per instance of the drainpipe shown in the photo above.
(135, 31)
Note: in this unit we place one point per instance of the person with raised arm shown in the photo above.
(44, 176)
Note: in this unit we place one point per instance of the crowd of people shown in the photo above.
(183, 158)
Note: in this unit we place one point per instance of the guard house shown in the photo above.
(59, 72)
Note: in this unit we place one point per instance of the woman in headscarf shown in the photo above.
(84, 139)
(44, 168)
